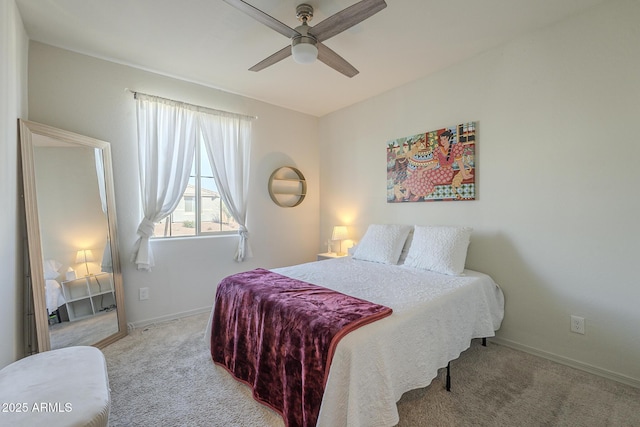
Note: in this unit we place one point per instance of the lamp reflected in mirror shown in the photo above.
(85, 256)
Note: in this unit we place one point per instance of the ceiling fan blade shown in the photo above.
(276, 57)
(335, 61)
(346, 18)
(267, 20)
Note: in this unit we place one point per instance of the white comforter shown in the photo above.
(53, 293)
(434, 318)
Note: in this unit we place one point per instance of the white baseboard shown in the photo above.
(568, 362)
(167, 318)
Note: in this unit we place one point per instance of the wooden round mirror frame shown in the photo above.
(287, 187)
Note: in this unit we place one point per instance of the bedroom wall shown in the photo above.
(556, 216)
(87, 95)
(13, 104)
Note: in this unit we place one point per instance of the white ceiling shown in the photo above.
(214, 44)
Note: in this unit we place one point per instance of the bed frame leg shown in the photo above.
(448, 386)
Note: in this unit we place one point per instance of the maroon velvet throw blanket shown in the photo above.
(278, 335)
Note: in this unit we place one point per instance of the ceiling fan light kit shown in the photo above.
(304, 51)
(306, 42)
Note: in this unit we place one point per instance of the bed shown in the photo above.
(53, 291)
(55, 298)
(435, 317)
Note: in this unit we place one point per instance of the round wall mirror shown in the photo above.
(287, 187)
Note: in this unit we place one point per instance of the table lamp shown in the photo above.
(340, 233)
(84, 256)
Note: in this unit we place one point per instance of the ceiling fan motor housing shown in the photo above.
(304, 12)
(304, 36)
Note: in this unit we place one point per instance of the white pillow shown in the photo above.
(439, 249)
(382, 243)
(51, 267)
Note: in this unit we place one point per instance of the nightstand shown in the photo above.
(329, 255)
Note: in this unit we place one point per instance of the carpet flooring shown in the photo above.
(162, 375)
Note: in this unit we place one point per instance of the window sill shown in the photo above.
(201, 236)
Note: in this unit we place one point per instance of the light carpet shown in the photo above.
(163, 375)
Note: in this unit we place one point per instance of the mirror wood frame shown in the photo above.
(36, 270)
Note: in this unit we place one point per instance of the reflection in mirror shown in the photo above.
(75, 271)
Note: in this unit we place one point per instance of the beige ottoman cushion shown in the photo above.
(65, 387)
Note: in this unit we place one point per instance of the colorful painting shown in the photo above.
(433, 166)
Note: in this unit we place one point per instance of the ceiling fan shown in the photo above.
(306, 42)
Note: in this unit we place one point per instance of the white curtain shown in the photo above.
(228, 142)
(106, 265)
(167, 134)
(102, 188)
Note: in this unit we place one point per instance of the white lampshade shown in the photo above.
(84, 255)
(339, 233)
(304, 53)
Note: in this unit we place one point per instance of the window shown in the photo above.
(169, 134)
(201, 210)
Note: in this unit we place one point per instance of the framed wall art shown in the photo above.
(433, 166)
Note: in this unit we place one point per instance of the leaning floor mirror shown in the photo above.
(74, 267)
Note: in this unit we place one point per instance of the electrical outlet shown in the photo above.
(577, 324)
(144, 294)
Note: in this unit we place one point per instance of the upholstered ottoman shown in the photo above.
(65, 387)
